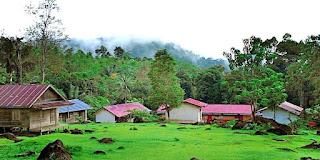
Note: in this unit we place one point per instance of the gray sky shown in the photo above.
(206, 27)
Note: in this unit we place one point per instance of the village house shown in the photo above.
(117, 113)
(226, 112)
(285, 113)
(192, 111)
(72, 114)
(34, 107)
(188, 112)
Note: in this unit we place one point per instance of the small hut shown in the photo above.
(34, 107)
(70, 114)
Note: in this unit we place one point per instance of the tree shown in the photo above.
(208, 85)
(47, 31)
(165, 88)
(118, 52)
(125, 86)
(103, 52)
(266, 89)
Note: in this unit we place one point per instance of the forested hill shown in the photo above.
(145, 48)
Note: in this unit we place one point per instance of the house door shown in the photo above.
(209, 119)
(239, 117)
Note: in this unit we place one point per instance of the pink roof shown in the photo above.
(227, 109)
(291, 107)
(53, 104)
(22, 96)
(195, 102)
(120, 110)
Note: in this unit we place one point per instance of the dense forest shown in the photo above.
(262, 73)
(145, 48)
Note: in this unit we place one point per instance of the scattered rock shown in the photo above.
(138, 120)
(120, 147)
(133, 128)
(279, 140)
(76, 131)
(198, 123)
(261, 133)
(181, 128)
(106, 140)
(208, 128)
(88, 131)
(12, 137)
(239, 125)
(285, 129)
(307, 158)
(85, 122)
(163, 125)
(287, 149)
(25, 154)
(318, 133)
(194, 158)
(65, 131)
(93, 138)
(56, 150)
(223, 124)
(277, 131)
(312, 145)
(99, 152)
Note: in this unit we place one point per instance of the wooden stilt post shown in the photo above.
(55, 117)
(40, 122)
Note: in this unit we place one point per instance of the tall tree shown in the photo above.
(118, 52)
(103, 52)
(208, 85)
(47, 31)
(165, 89)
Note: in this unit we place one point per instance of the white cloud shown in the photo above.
(206, 27)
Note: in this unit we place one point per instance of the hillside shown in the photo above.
(145, 48)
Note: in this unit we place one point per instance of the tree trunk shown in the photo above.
(19, 68)
(43, 66)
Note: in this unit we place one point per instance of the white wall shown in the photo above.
(105, 116)
(187, 113)
(282, 116)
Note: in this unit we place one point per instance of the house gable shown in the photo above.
(49, 95)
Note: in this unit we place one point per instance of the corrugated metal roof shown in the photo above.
(195, 102)
(20, 96)
(52, 104)
(120, 110)
(291, 108)
(77, 106)
(227, 109)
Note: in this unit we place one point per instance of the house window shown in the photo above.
(16, 115)
(51, 115)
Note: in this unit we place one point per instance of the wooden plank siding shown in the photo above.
(73, 116)
(7, 117)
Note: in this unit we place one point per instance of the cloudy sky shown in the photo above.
(204, 26)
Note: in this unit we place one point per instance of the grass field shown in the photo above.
(151, 141)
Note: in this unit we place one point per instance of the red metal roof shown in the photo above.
(53, 104)
(120, 110)
(195, 102)
(227, 109)
(20, 95)
(291, 108)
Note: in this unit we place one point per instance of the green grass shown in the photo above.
(153, 142)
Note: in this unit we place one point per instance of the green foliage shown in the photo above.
(79, 119)
(314, 113)
(261, 127)
(165, 84)
(73, 150)
(144, 115)
(208, 85)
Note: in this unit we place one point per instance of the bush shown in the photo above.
(261, 127)
(232, 122)
(143, 115)
(299, 124)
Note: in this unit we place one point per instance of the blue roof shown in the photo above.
(78, 106)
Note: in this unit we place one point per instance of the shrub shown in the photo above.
(261, 127)
(143, 115)
(299, 124)
(79, 119)
(232, 122)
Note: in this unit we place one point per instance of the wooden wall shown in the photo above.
(73, 116)
(47, 117)
(225, 118)
(14, 117)
(49, 95)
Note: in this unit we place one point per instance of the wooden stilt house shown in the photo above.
(34, 107)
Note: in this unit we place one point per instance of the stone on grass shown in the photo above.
(163, 125)
(88, 131)
(223, 124)
(208, 129)
(106, 140)
(25, 154)
(318, 133)
(287, 149)
(120, 147)
(278, 139)
(312, 145)
(99, 152)
(181, 128)
(56, 150)
(12, 137)
(133, 128)
(93, 138)
(261, 133)
(76, 131)
(278, 131)
(65, 131)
